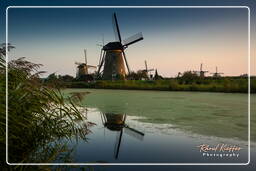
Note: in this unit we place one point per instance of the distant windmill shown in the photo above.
(202, 72)
(147, 71)
(116, 122)
(82, 68)
(216, 73)
(113, 57)
(146, 68)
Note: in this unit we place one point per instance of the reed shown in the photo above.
(38, 116)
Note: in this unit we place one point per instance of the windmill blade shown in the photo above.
(146, 66)
(118, 144)
(134, 133)
(100, 57)
(85, 56)
(103, 118)
(133, 39)
(128, 68)
(102, 61)
(116, 28)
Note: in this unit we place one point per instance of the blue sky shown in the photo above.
(175, 40)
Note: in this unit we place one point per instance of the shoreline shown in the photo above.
(221, 85)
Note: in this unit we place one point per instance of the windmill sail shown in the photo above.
(85, 56)
(116, 28)
(118, 144)
(133, 39)
(134, 133)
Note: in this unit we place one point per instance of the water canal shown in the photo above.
(163, 127)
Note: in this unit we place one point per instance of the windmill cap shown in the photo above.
(113, 46)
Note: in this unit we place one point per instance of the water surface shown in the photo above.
(163, 127)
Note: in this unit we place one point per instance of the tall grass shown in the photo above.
(37, 116)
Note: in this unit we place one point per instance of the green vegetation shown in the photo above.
(189, 81)
(38, 115)
(225, 84)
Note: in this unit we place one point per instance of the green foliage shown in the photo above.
(37, 116)
(224, 84)
(139, 75)
(189, 77)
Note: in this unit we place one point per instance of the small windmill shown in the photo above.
(116, 122)
(202, 72)
(216, 73)
(113, 58)
(146, 70)
(82, 68)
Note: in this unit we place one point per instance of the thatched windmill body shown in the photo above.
(113, 60)
(82, 68)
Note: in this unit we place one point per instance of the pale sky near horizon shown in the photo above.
(175, 40)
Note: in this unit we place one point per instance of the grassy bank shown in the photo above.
(229, 85)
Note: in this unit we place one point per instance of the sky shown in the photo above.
(175, 39)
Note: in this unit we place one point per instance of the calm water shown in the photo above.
(162, 127)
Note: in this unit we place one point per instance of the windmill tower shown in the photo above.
(202, 72)
(113, 58)
(216, 73)
(82, 68)
(116, 122)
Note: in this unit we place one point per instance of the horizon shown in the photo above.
(175, 40)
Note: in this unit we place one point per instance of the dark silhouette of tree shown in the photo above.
(139, 75)
(66, 78)
(189, 77)
(157, 76)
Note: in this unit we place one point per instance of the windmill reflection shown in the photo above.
(116, 122)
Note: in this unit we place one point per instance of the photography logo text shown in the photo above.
(219, 150)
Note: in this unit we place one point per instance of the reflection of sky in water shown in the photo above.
(161, 143)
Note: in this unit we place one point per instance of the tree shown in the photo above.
(139, 75)
(66, 78)
(157, 77)
(189, 77)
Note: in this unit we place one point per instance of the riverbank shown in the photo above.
(227, 85)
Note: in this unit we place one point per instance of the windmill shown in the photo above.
(116, 122)
(113, 58)
(217, 74)
(82, 68)
(146, 70)
(202, 72)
